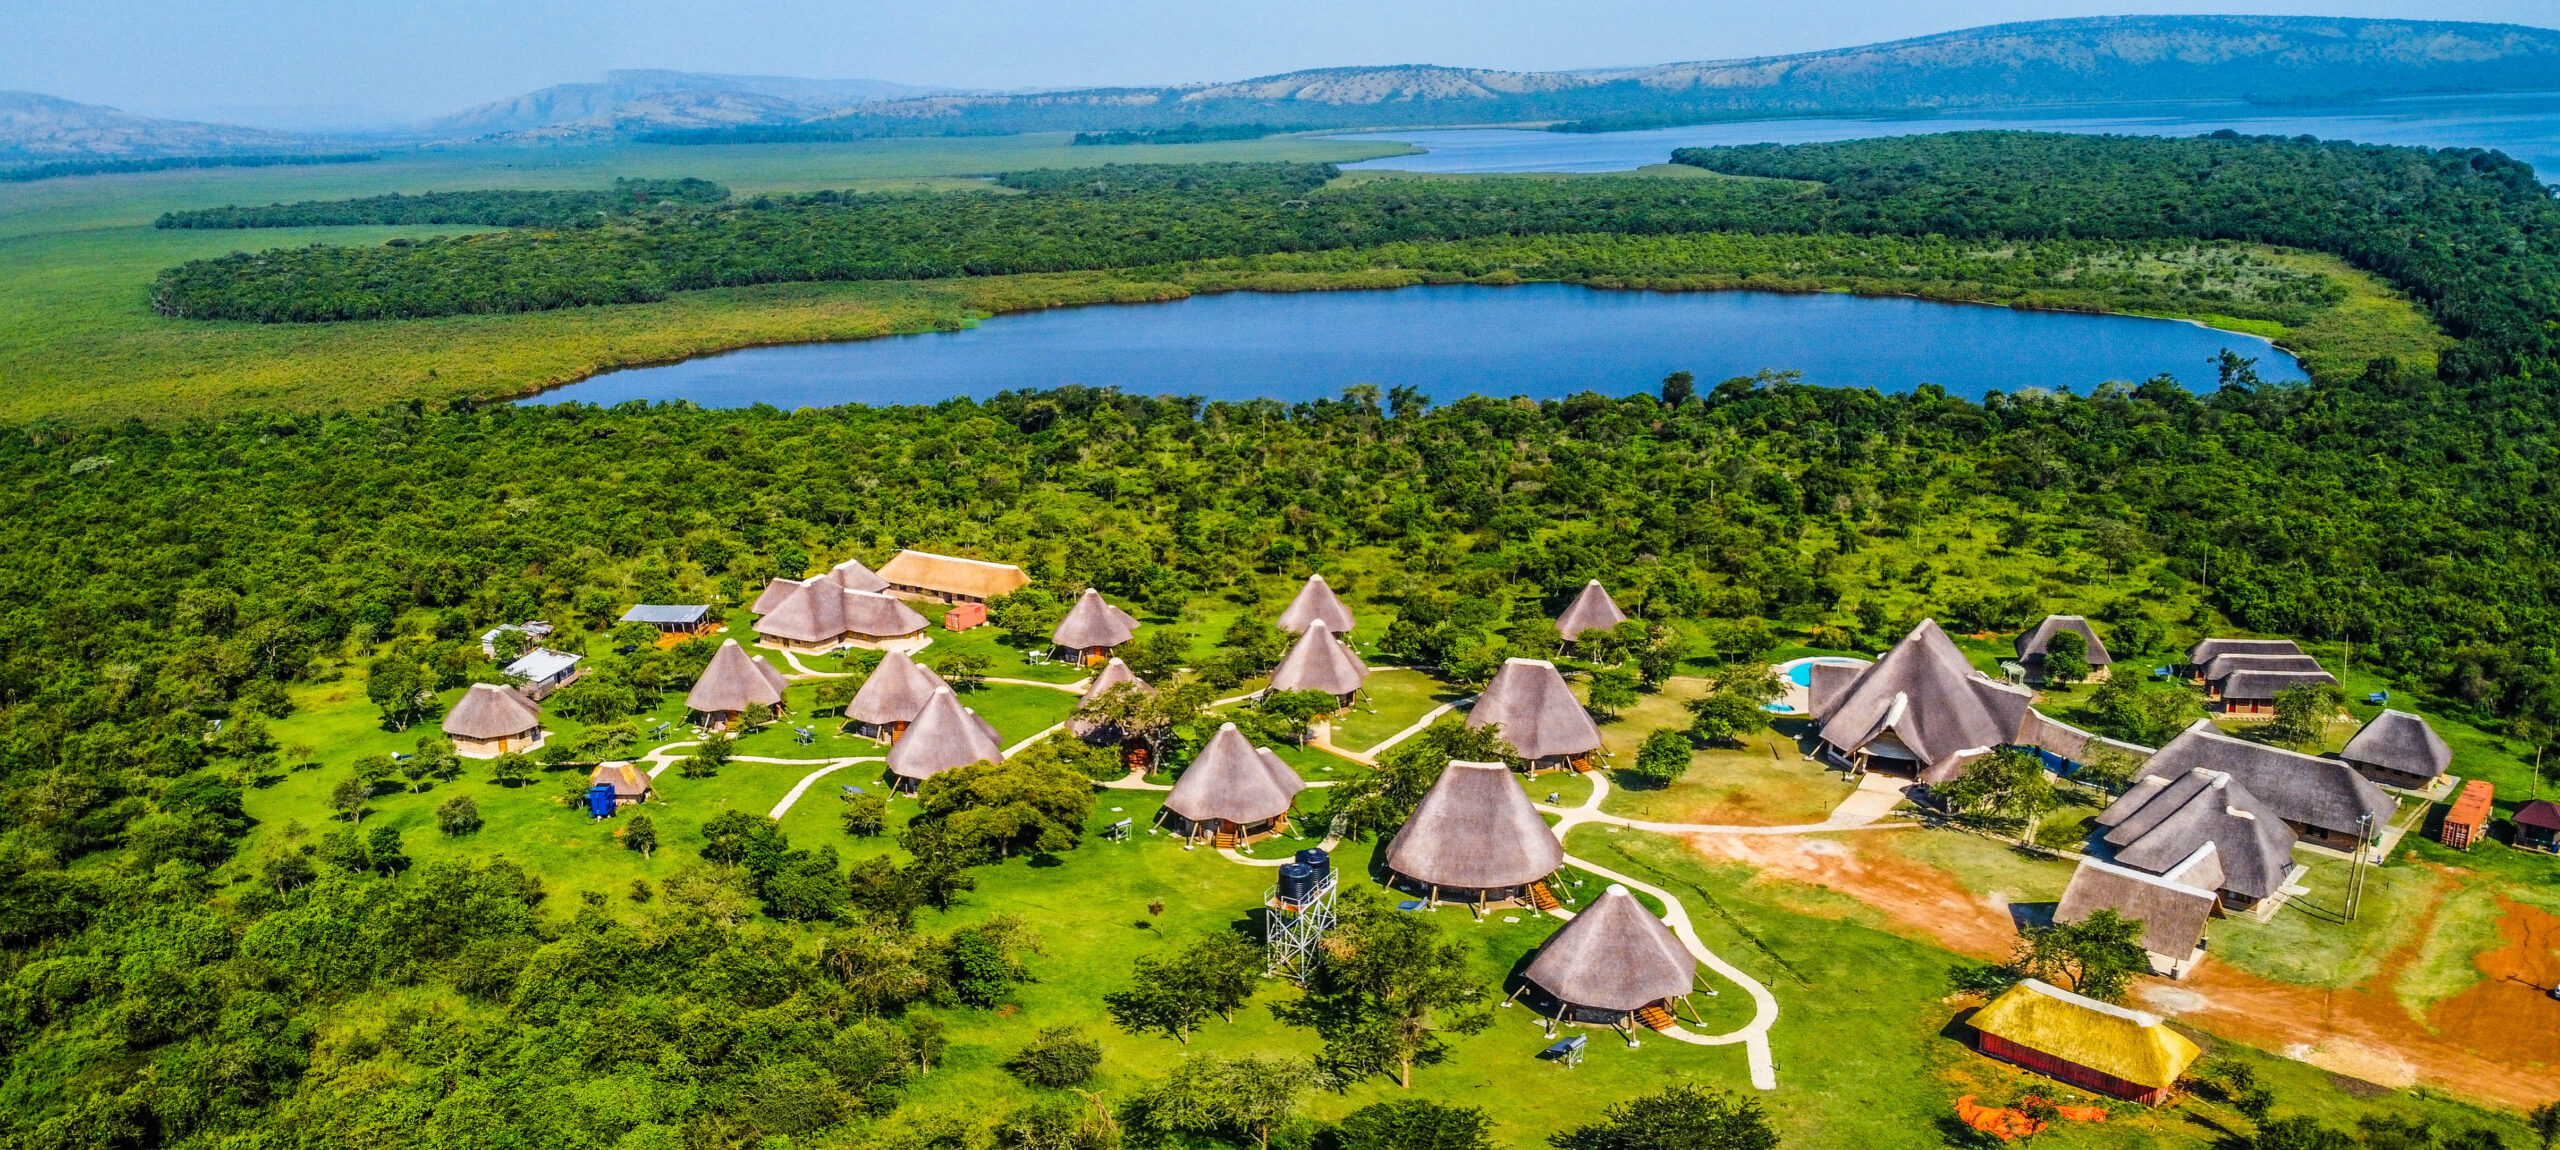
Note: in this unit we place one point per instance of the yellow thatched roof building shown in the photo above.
(2094, 1045)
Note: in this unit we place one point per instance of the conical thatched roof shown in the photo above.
(775, 594)
(896, 692)
(853, 576)
(1475, 830)
(1320, 662)
(1316, 602)
(1615, 956)
(735, 681)
(819, 611)
(946, 736)
(2032, 645)
(627, 779)
(1538, 713)
(2112, 1040)
(1921, 702)
(1093, 623)
(1593, 610)
(1114, 673)
(1232, 780)
(2400, 741)
(489, 711)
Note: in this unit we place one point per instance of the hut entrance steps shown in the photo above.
(1542, 898)
(1226, 840)
(1654, 1017)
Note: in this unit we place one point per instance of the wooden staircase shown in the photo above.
(1654, 1017)
(1226, 837)
(1542, 898)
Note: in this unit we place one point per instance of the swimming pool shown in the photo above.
(1799, 676)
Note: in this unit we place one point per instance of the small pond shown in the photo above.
(1539, 340)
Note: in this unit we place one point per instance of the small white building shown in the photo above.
(543, 670)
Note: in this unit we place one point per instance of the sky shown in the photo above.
(346, 63)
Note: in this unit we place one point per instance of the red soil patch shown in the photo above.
(1913, 895)
(2496, 1040)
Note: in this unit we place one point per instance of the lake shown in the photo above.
(1539, 340)
(2524, 125)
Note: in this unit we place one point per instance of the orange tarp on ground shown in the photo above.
(2012, 1124)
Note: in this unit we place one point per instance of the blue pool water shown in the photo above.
(1544, 341)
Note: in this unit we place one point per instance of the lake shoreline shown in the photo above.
(1151, 290)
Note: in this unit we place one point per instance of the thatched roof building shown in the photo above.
(630, 783)
(1316, 603)
(1538, 714)
(893, 696)
(2173, 910)
(2032, 645)
(733, 682)
(1921, 706)
(817, 614)
(2222, 667)
(1320, 662)
(949, 578)
(1093, 627)
(490, 720)
(1113, 674)
(2093, 1045)
(850, 575)
(945, 737)
(2202, 828)
(2398, 749)
(1234, 787)
(2207, 650)
(2321, 799)
(1592, 610)
(1475, 833)
(1614, 957)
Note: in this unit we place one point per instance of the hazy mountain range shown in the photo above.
(2101, 59)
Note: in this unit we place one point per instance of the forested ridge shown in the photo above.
(496, 208)
(2471, 234)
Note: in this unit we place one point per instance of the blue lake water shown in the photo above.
(2523, 125)
(1539, 340)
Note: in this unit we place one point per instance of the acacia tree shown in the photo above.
(2303, 713)
(2066, 658)
(1662, 759)
(1212, 1094)
(2009, 783)
(1389, 987)
(1680, 1117)
(1379, 801)
(1735, 704)
(2098, 956)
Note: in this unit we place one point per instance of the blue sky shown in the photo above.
(391, 60)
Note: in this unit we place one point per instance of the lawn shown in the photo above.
(1395, 700)
(2311, 942)
(1764, 782)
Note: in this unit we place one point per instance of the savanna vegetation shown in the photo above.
(503, 209)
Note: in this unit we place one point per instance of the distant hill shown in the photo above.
(639, 100)
(37, 127)
(2264, 58)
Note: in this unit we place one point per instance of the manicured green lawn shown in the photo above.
(1395, 700)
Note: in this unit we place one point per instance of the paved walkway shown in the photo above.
(1754, 1036)
(806, 781)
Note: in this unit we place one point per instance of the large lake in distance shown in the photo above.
(1539, 340)
(2524, 125)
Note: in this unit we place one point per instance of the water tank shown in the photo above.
(1296, 882)
(1316, 862)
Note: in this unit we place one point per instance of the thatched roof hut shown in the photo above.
(1538, 714)
(1475, 830)
(1093, 624)
(2323, 800)
(1320, 662)
(896, 692)
(2173, 911)
(489, 713)
(1315, 603)
(1614, 956)
(814, 614)
(946, 736)
(2207, 650)
(733, 682)
(2400, 749)
(2031, 646)
(1234, 782)
(1922, 705)
(1592, 610)
(2090, 1044)
(2201, 827)
(630, 783)
(1113, 674)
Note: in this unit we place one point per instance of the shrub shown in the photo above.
(458, 815)
(1058, 1056)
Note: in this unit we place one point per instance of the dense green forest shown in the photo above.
(505, 209)
(57, 169)
(158, 577)
(2471, 234)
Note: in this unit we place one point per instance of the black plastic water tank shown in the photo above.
(1315, 860)
(1296, 882)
